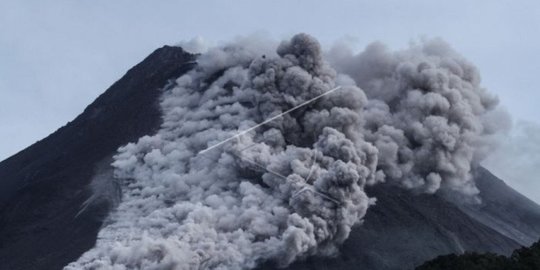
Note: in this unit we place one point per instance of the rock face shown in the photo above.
(44, 187)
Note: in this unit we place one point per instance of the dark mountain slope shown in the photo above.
(404, 230)
(505, 210)
(43, 187)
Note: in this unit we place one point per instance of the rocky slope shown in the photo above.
(44, 187)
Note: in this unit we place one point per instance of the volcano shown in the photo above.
(56, 194)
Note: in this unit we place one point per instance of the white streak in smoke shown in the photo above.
(244, 132)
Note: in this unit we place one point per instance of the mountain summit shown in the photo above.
(43, 188)
(56, 195)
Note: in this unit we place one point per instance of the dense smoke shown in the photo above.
(427, 114)
(294, 187)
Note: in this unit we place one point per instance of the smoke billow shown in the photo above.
(294, 187)
(427, 115)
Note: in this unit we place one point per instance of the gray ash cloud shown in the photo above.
(294, 187)
(427, 114)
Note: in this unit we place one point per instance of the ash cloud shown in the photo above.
(294, 187)
(427, 114)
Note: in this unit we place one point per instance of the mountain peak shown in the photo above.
(45, 189)
(50, 179)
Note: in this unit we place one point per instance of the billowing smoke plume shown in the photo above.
(294, 187)
(427, 115)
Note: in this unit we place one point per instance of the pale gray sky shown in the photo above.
(56, 57)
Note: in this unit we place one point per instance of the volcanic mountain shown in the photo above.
(56, 194)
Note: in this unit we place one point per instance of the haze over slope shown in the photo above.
(417, 119)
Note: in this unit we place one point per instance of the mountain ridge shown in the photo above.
(44, 187)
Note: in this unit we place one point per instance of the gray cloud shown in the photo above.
(218, 210)
(295, 187)
(428, 115)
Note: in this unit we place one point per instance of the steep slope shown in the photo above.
(43, 187)
(403, 230)
(505, 210)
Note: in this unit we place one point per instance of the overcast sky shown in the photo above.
(56, 57)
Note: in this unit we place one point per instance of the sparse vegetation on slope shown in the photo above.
(521, 259)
